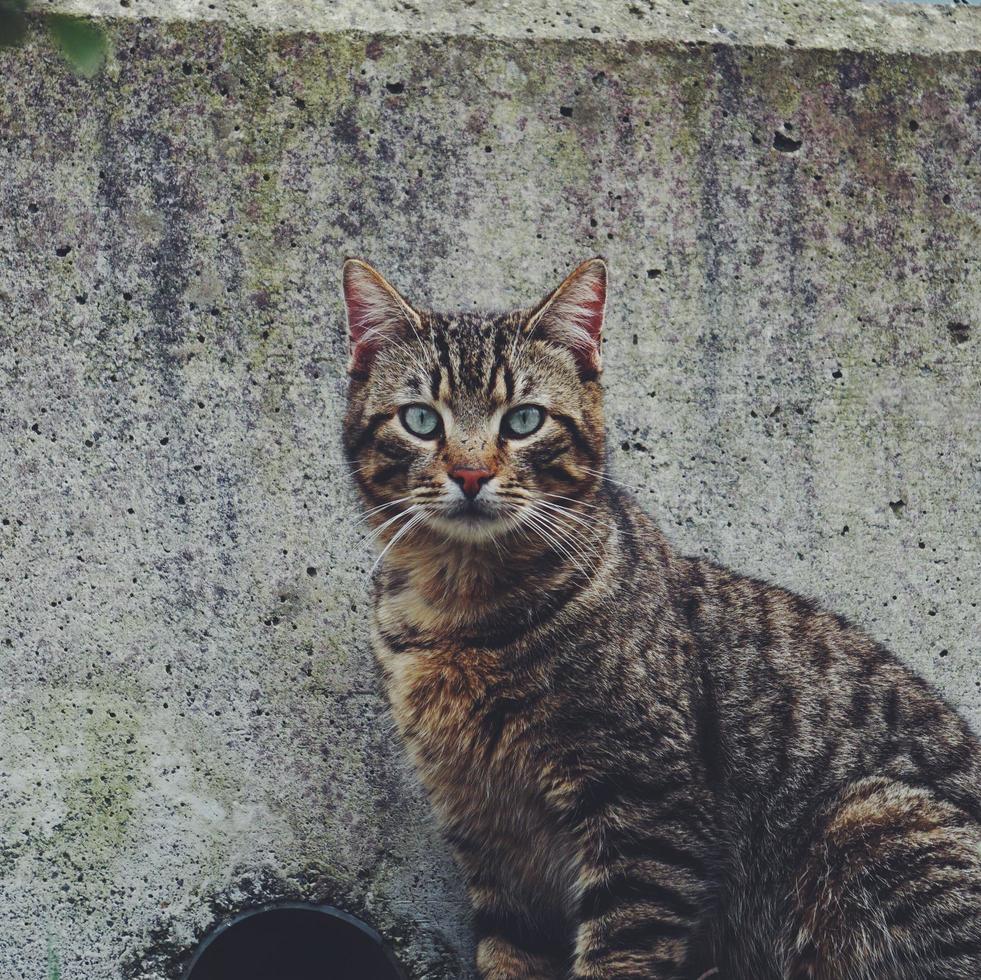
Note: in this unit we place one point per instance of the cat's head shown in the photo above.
(475, 426)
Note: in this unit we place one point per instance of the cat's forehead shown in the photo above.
(474, 362)
(470, 347)
(465, 331)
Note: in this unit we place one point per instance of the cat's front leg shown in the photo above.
(644, 890)
(498, 959)
(645, 937)
(507, 949)
(632, 928)
(510, 946)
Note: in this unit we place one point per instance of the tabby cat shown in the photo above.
(646, 765)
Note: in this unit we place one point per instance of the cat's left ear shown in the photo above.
(572, 316)
(376, 314)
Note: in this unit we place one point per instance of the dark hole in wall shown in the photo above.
(960, 333)
(784, 143)
(294, 942)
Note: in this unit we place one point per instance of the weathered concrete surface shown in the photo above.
(190, 722)
(856, 25)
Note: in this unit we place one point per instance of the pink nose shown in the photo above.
(470, 480)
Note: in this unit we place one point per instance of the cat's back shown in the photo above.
(804, 701)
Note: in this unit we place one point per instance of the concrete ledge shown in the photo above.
(856, 25)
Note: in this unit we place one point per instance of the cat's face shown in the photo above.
(475, 426)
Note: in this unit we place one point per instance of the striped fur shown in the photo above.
(647, 766)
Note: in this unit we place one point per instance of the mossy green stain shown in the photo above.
(54, 961)
(83, 43)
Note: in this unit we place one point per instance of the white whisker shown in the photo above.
(573, 541)
(365, 515)
(559, 496)
(553, 535)
(402, 531)
(572, 515)
(605, 476)
(377, 532)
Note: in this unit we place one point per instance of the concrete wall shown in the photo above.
(190, 721)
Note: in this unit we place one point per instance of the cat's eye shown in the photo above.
(522, 421)
(421, 420)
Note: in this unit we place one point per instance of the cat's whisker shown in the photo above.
(531, 520)
(496, 543)
(592, 559)
(409, 498)
(588, 562)
(559, 539)
(376, 534)
(548, 533)
(557, 513)
(559, 496)
(609, 479)
(591, 523)
(366, 515)
(357, 520)
(416, 518)
(506, 495)
(520, 527)
(516, 492)
(373, 535)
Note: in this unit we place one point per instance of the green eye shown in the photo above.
(522, 421)
(421, 420)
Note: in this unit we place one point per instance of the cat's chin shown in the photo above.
(472, 526)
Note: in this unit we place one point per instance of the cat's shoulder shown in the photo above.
(719, 601)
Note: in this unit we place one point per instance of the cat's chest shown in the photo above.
(456, 712)
(467, 722)
(471, 732)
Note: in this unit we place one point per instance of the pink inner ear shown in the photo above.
(585, 303)
(593, 309)
(362, 301)
(362, 355)
(357, 310)
(372, 312)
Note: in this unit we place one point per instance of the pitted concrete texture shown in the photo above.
(190, 720)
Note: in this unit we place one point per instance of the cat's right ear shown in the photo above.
(572, 316)
(376, 314)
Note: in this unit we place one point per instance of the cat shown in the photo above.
(645, 765)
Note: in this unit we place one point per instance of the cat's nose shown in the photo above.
(470, 480)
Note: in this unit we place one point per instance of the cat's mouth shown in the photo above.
(475, 511)
(471, 520)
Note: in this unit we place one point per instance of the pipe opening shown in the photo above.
(293, 942)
